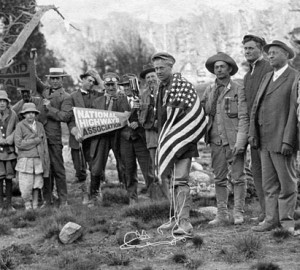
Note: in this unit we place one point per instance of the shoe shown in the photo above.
(238, 219)
(184, 228)
(219, 220)
(168, 225)
(264, 227)
(260, 218)
(28, 206)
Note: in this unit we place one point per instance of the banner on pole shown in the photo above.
(19, 75)
(92, 122)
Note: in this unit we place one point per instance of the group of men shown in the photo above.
(262, 113)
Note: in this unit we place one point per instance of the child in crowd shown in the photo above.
(8, 122)
(33, 158)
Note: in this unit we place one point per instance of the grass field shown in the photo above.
(30, 240)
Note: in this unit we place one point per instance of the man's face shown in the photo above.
(277, 57)
(151, 79)
(26, 95)
(56, 82)
(87, 83)
(127, 89)
(111, 88)
(3, 104)
(252, 51)
(162, 69)
(222, 70)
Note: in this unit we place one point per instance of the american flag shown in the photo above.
(186, 122)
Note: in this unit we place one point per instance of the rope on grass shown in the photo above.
(172, 219)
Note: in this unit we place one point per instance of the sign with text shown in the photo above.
(92, 122)
(19, 75)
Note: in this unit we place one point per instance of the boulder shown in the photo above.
(201, 184)
(208, 212)
(70, 232)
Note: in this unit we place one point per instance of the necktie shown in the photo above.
(215, 100)
(110, 106)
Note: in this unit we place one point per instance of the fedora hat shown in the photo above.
(126, 77)
(29, 107)
(56, 72)
(147, 69)
(93, 73)
(220, 56)
(282, 45)
(164, 56)
(3, 95)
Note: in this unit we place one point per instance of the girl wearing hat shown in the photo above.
(8, 122)
(33, 158)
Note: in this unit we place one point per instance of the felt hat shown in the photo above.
(3, 95)
(220, 56)
(282, 45)
(126, 77)
(56, 72)
(147, 69)
(29, 107)
(21, 89)
(111, 77)
(258, 39)
(93, 73)
(164, 56)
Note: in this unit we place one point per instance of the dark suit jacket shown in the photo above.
(127, 132)
(77, 101)
(280, 116)
(252, 81)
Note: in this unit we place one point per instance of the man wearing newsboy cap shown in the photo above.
(253, 51)
(273, 129)
(82, 98)
(227, 130)
(57, 108)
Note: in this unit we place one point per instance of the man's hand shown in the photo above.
(238, 150)
(286, 149)
(46, 102)
(75, 132)
(134, 125)
(253, 142)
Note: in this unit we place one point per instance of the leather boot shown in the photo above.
(84, 191)
(239, 203)
(222, 212)
(1, 195)
(8, 193)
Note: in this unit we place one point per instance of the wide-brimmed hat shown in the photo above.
(56, 72)
(282, 45)
(29, 107)
(93, 73)
(3, 95)
(147, 69)
(164, 56)
(111, 77)
(21, 89)
(220, 56)
(126, 77)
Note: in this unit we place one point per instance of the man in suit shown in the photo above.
(147, 112)
(227, 134)
(133, 142)
(273, 129)
(102, 144)
(80, 150)
(57, 108)
(253, 51)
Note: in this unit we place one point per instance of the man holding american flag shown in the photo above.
(181, 123)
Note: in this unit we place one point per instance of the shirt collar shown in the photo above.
(84, 91)
(279, 72)
(258, 59)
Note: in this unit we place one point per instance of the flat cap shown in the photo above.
(93, 73)
(147, 69)
(258, 39)
(282, 45)
(220, 56)
(164, 56)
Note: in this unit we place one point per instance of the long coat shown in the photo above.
(280, 111)
(60, 110)
(28, 145)
(235, 126)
